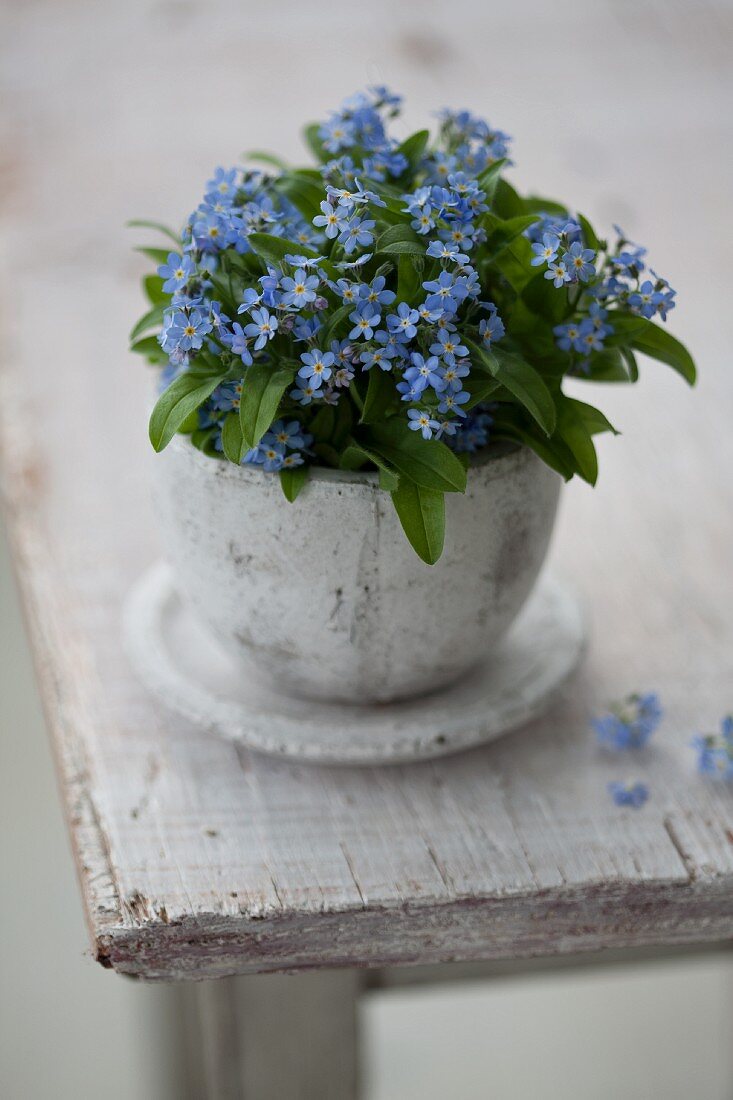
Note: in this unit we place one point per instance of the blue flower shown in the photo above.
(272, 456)
(491, 328)
(646, 300)
(566, 335)
(305, 391)
(442, 292)
(629, 794)
(430, 314)
(365, 319)
(461, 234)
(446, 250)
(187, 331)
(176, 272)
(588, 337)
(448, 347)
(451, 402)
(300, 289)
(288, 434)
(331, 219)
(356, 232)
(226, 396)
(376, 357)
(579, 261)
(410, 391)
(425, 372)
(236, 341)
(375, 293)
(420, 420)
(715, 751)
(296, 260)
(558, 273)
(342, 196)
(223, 185)
(404, 322)
(452, 376)
(346, 290)
(424, 220)
(270, 294)
(337, 133)
(317, 366)
(251, 298)
(630, 723)
(210, 232)
(305, 328)
(472, 433)
(262, 328)
(546, 251)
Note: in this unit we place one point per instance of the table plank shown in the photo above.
(197, 858)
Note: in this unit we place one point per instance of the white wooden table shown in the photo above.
(200, 860)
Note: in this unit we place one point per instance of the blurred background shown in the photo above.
(622, 107)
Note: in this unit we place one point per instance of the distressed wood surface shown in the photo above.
(197, 859)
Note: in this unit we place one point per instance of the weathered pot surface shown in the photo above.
(325, 597)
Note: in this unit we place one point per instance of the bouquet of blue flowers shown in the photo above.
(396, 309)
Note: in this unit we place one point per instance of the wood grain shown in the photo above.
(197, 859)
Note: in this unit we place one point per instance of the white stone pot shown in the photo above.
(325, 598)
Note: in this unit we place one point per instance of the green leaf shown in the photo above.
(553, 452)
(655, 342)
(176, 404)
(612, 365)
(488, 181)
(322, 424)
(153, 287)
(631, 365)
(524, 382)
(356, 454)
(152, 319)
(274, 249)
(203, 439)
(232, 440)
(573, 431)
(544, 299)
(143, 224)
(261, 394)
(263, 157)
(335, 318)
(507, 203)
(158, 255)
(536, 204)
(421, 512)
(514, 261)
(293, 480)
(328, 454)
(414, 147)
(594, 420)
(314, 143)
(304, 193)
(589, 233)
(404, 248)
(397, 233)
(481, 387)
(410, 270)
(427, 462)
(380, 395)
(151, 349)
(344, 422)
(501, 233)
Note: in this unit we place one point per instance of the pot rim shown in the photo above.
(503, 456)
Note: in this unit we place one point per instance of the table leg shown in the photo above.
(273, 1037)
